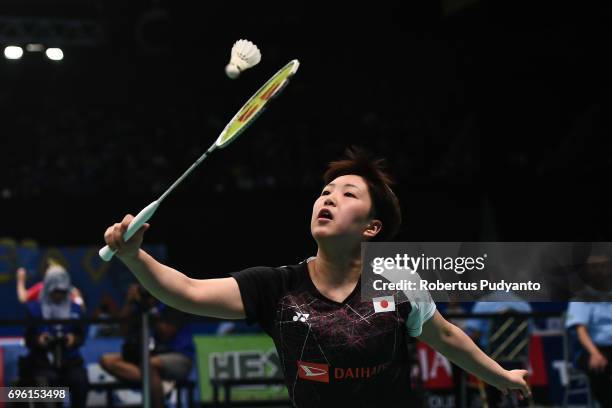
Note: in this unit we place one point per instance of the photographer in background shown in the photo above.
(171, 344)
(54, 359)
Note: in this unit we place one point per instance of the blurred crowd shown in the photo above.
(428, 89)
(83, 151)
(71, 151)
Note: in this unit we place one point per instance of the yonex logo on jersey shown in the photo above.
(302, 317)
(383, 304)
(313, 371)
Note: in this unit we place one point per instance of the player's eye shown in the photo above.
(325, 192)
(347, 194)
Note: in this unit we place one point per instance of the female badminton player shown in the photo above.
(335, 349)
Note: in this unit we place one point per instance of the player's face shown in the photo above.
(342, 209)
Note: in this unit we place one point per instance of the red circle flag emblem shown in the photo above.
(383, 304)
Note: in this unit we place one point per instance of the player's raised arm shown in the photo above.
(457, 346)
(208, 297)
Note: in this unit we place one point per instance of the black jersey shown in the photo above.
(349, 354)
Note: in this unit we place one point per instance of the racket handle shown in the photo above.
(143, 216)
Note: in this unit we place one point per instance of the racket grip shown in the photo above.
(106, 253)
(143, 216)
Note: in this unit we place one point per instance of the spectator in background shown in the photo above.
(107, 309)
(54, 358)
(172, 345)
(590, 313)
(33, 293)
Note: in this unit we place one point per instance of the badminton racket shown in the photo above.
(238, 124)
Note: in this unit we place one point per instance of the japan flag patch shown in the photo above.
(383, 304)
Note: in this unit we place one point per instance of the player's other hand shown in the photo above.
(515, 380)
(114, 238)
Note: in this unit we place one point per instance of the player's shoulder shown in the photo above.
(284, 272)
(271, 269)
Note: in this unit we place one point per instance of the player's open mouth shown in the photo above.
(325, 214)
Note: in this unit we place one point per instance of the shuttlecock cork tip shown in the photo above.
(232, 71)
(244, 55)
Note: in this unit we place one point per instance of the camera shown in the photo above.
(56, 346)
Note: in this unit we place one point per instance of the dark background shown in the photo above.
(494, 117)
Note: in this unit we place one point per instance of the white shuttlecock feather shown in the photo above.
(244, 55)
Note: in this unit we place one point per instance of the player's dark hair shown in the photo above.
(385, 205)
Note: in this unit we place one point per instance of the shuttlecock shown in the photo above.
(244, 55)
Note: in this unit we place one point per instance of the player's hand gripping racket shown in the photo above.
(241, 120)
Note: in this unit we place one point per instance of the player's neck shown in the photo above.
(336, 267)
